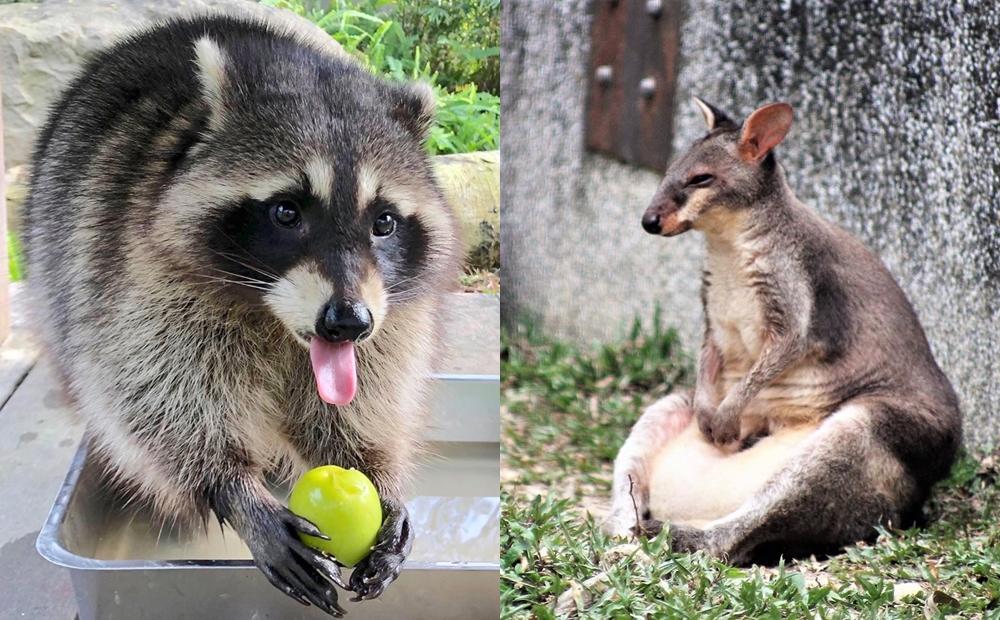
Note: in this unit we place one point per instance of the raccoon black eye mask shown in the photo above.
(244, 218)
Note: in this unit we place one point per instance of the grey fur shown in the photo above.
(804, 327)
(187, 364)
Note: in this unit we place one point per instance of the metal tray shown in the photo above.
(124, 566)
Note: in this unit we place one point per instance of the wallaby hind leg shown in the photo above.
(841, 485)
(658, 424)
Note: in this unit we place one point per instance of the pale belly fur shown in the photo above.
(693, 482)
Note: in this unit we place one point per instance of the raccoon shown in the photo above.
(239, 254)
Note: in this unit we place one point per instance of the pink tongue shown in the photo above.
(335, 370)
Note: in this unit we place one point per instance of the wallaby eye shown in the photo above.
(700, 180)
(384, 225)
(285, 213)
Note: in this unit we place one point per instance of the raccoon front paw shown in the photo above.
(303, 573)
(381, 567)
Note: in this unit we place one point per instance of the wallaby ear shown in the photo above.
(414, 106)
(714, 117)
(763, 130)
(210, 63)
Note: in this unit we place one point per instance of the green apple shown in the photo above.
(344, 505)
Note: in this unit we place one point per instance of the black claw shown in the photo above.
(304, 593)
(271, 532)
(304, 574)
(325, 565)
(302, 525)
(372, 586)
(279, 582)
(325, 599)
(375, 573)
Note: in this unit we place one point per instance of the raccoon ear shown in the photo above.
(413, 105)
(714, 117)
(210, 62)
(763, 130)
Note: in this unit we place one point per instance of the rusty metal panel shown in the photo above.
(633, 66)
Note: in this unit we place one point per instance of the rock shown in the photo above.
(579, 596)
(15, 188)
(905, 589)
(43, 44)
(471, 184)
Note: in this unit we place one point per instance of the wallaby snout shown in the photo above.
(662, 217)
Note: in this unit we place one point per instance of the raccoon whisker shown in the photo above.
(262, 266)
(235, 278)
(218, 281)
(400, 283)
(242, 277)
(398, 295)
(406, 296)
(236, 282)
(230, 276)
(403, 284)
(404, 289)
(235, 259)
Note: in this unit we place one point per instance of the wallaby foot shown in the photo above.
(842, 483)
(659, 423)
(683, 538)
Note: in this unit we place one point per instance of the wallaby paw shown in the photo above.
(721, 427)
(620, 523)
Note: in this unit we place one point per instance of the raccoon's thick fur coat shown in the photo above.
(178, 314)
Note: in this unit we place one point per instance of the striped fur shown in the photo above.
(180, 315)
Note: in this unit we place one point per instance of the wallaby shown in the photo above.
(820, 410)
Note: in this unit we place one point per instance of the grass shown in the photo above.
(14, 258)
(565, 413)
(480, 281)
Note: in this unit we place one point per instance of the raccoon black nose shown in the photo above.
(344, 321)
(651, 223)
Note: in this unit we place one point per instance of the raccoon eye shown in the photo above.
(700, 180)
(285, 213)
(384, 225)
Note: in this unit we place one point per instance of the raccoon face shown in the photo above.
(723, 173)
(314, 201)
